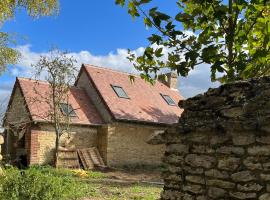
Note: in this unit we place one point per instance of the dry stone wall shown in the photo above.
(221, 147)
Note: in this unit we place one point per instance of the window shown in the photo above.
(168, 99)
(120, 92)
(67, 110)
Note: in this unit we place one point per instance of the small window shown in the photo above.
(67, 110)
(168, 99)
(120, 92)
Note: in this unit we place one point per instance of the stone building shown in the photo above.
(220, 148)
(110, 113)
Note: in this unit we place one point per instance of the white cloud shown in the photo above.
(197, 82)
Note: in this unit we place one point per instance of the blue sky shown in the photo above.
(96, 33)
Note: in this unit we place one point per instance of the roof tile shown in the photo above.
(145, 102)
(36, 94)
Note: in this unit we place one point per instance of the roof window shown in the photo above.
(120, 92)
(168, 100)
(67, 110)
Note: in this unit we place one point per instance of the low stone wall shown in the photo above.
(221, 147)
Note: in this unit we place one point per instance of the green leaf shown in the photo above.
(120, 2)
(155, 39)
(145, 1)
(132, 9)
(158, 52)
(147, 22)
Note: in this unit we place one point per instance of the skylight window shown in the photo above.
(120, 92)
(67, 110)
(168, 100)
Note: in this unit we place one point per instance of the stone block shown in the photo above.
(195, 179)
(217, 174)
(263, 139)
(219, 139)
(229, 163)
(243, 176)
(177, 149)
(243, 139)
(262, 150)
(195, 189)
(252, 163)
(265, 196)
(242, 195)
(231, 150)
(220, 183)
(248, 187)
(265, 177)
(215, 192)
(196, 160)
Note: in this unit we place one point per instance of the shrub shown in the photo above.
(38, 184)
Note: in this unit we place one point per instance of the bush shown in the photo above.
(39, 184)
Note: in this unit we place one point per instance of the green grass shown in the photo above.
(90, 184)
(113, 191)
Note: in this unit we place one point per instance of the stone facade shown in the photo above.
(119, 144)
(221, 147)
(41, 143)
(127, 145)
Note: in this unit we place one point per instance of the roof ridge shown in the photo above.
(110, 69)
(31, 79)
(44, 82)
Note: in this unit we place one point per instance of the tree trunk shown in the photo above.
(56, 148)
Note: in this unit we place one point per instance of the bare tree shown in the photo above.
(59, 70)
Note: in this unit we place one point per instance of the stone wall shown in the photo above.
(127, 145)
(40, 145)
(221, 147)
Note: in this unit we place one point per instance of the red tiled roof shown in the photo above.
(35, 91)
(145, 103)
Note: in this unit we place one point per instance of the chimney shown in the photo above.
(169, 79)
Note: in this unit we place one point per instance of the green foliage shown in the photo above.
(36, 184)
(7, 55)
(233, 38)
(35, 9)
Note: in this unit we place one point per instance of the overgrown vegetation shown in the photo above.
(36, 184)
(46, 183)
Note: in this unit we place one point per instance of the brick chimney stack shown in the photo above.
(169, 79)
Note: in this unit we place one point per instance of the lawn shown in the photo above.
(46, 183)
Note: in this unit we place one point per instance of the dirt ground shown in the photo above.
(119, 184)
(135, 175)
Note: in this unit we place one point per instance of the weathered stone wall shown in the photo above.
(127, 145)
(102, 141)
(17, 113)
(41, 143)
(221, 147)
